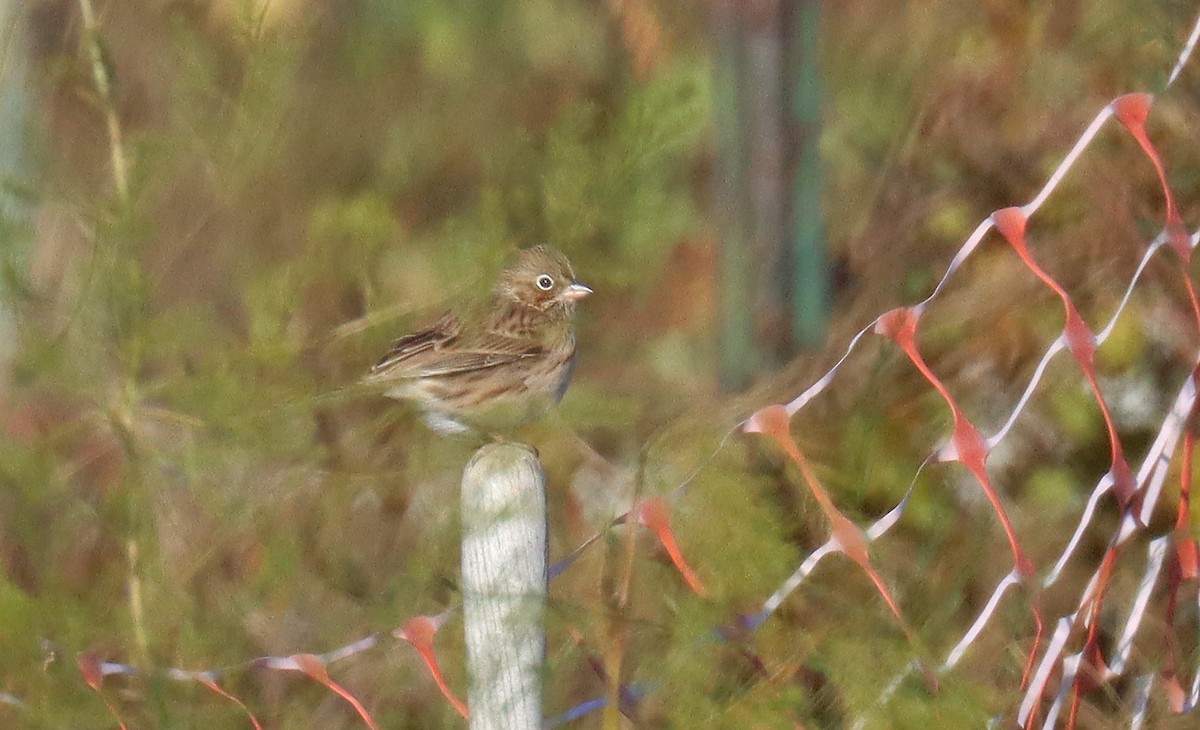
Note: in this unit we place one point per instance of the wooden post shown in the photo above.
(737, 346)
(504, 586)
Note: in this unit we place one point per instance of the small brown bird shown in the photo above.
(501, 368)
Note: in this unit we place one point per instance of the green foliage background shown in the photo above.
(181, 483)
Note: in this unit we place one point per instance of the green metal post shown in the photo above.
(809, 257)
(14, 214)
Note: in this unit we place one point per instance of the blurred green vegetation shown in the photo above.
(184, 483)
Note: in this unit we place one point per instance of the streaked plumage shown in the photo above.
(500, 368)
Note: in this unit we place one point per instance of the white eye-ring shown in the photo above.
(545, 282)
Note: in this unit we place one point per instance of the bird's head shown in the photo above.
(541, 278)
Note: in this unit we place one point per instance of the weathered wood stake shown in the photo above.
(504, 586)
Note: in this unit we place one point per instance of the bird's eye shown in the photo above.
(545, 282)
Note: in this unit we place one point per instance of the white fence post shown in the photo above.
(504, 586)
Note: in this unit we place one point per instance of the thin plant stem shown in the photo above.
(619, 631)
(120, 173)
(112, 124)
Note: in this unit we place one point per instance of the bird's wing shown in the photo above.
(444, 330)
(443, 350)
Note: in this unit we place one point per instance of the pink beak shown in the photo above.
(574, 292)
